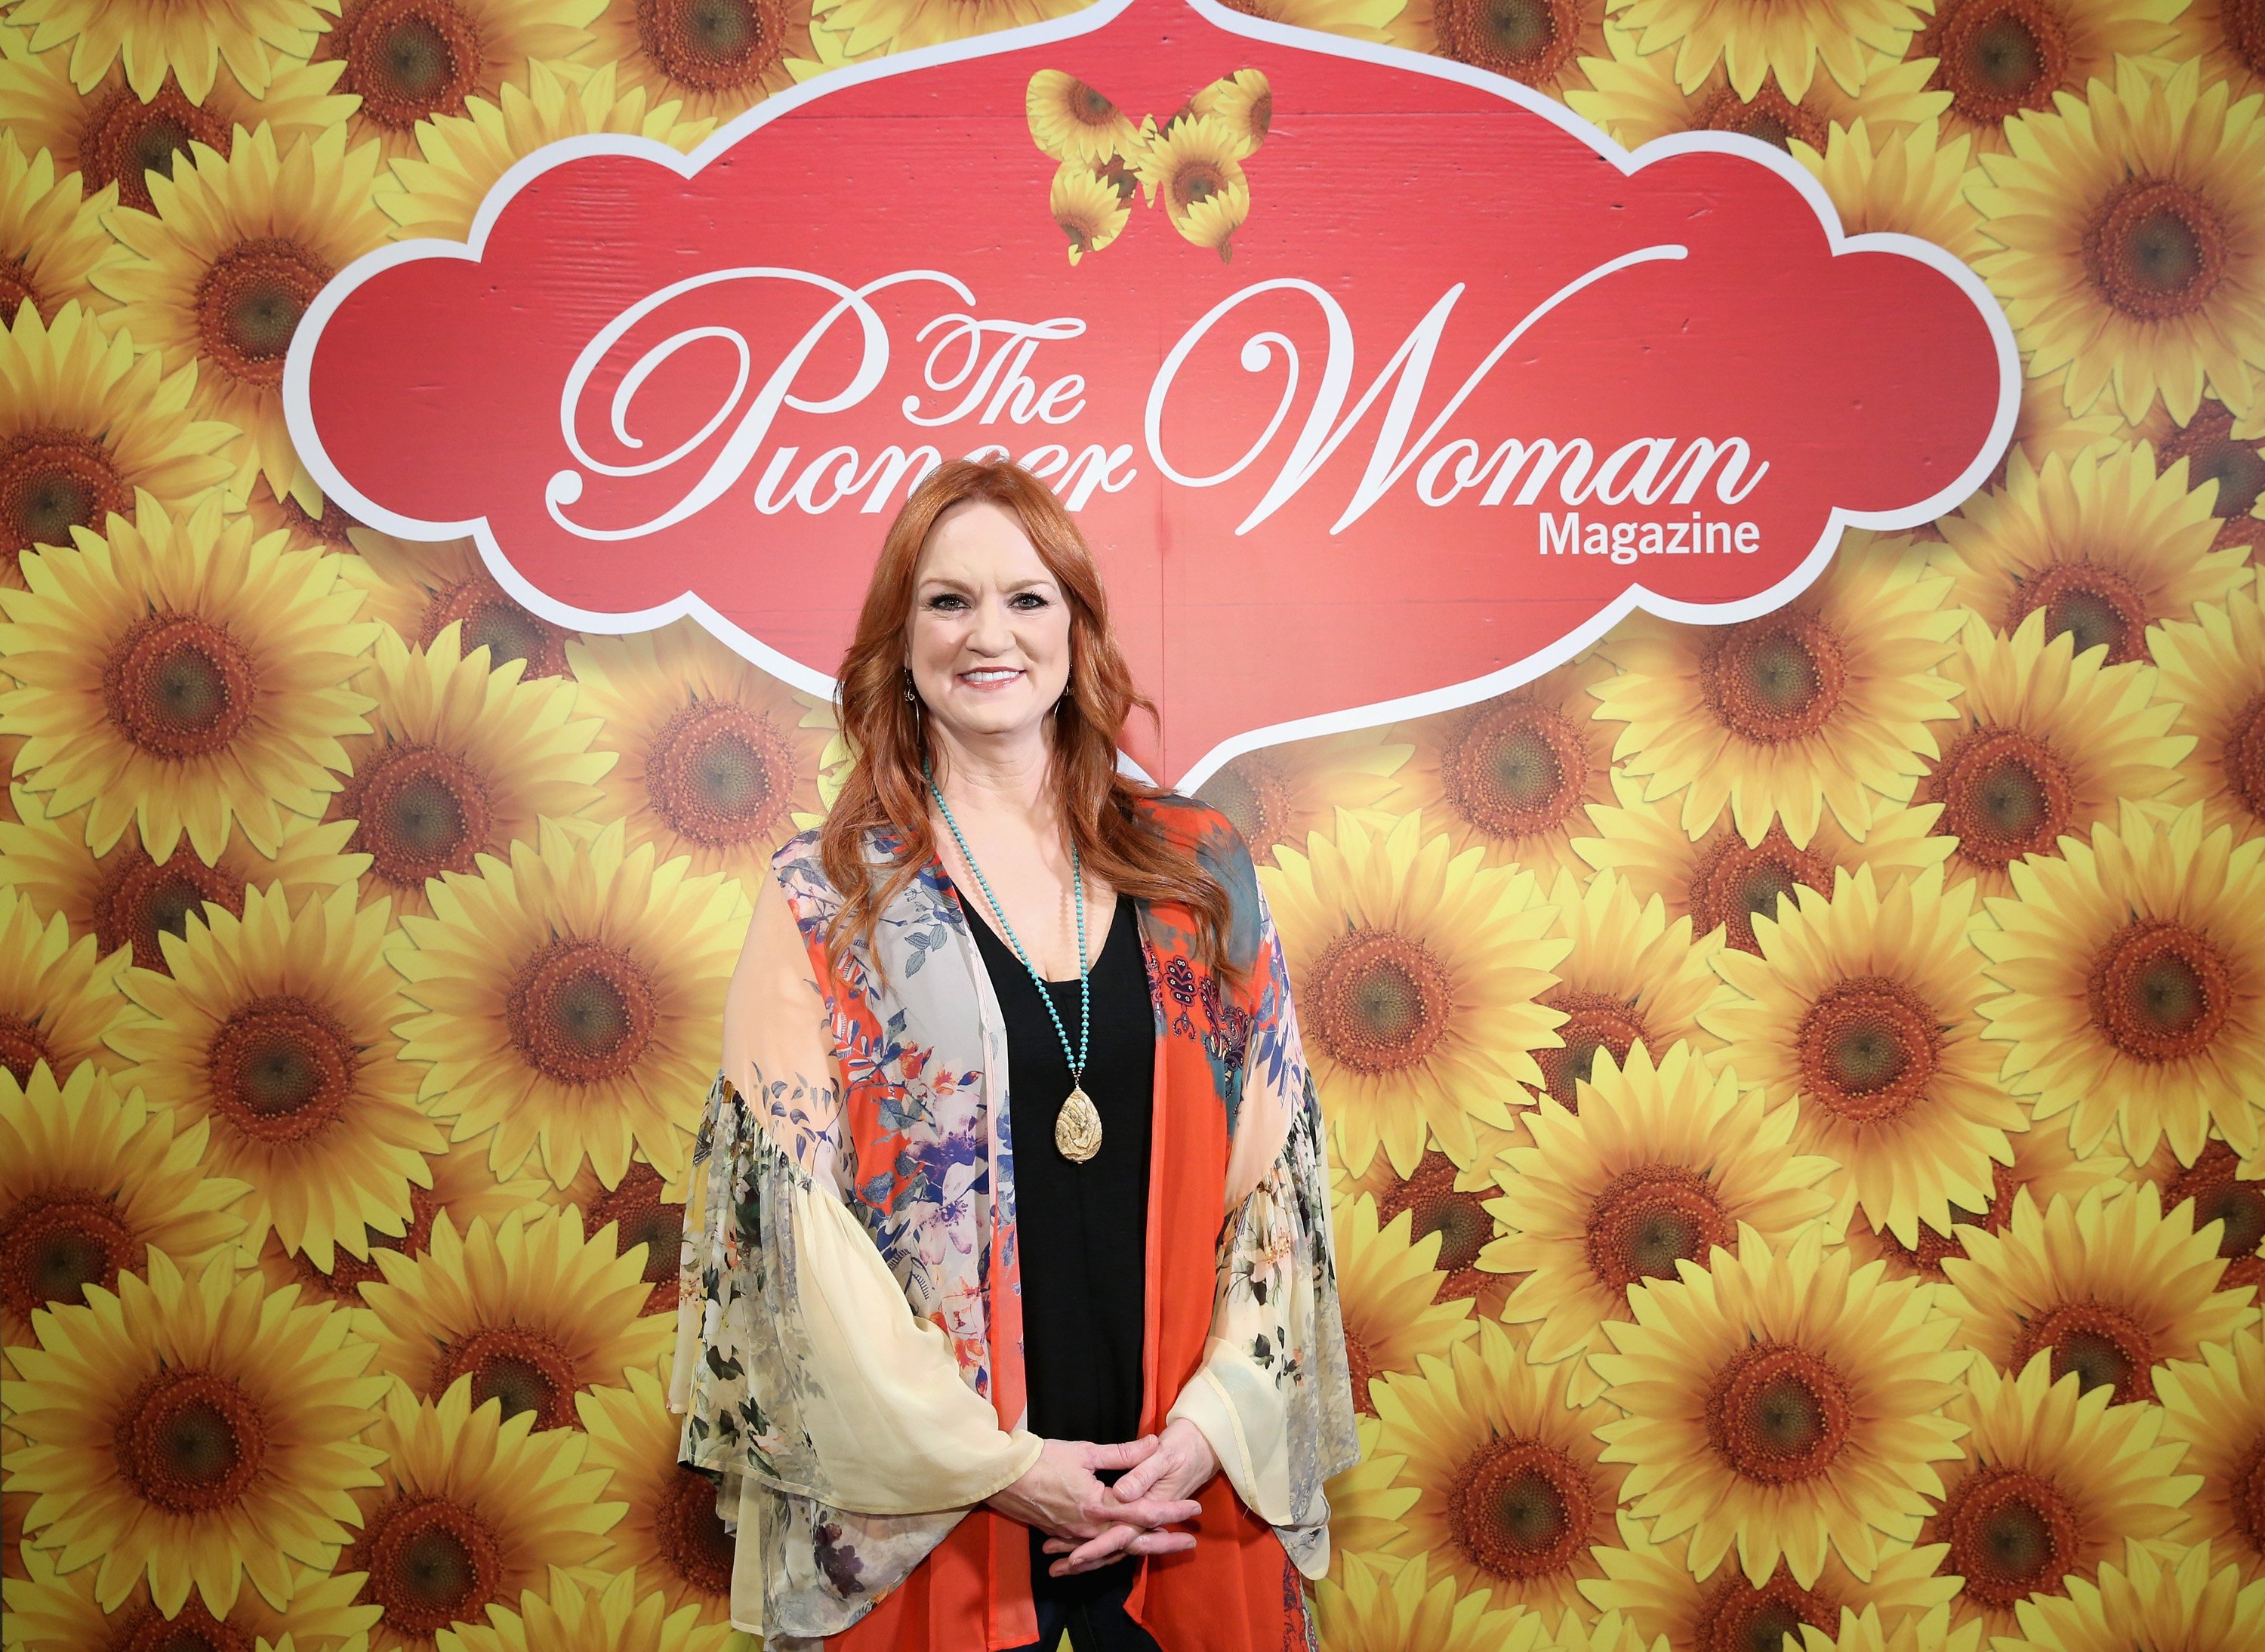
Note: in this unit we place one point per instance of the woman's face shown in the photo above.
(989, 643)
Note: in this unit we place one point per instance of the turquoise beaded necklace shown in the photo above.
(1077, 1126)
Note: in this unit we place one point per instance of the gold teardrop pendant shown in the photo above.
(1077, 1127)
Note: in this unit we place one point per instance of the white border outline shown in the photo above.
(300, 420)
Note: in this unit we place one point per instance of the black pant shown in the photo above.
(1090, 1607)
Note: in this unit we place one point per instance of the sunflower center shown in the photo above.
(122, 138)
(137, 901)
(420, 812)
(1768, 117)
(2245, 1496)
(143, 1628)
(52, 481)
(54, 1244)
(1362, 1366)
(16, 287)
(282, 1069)
(1775, 679)
(432, 1562)
(720, 774)
(1595, 1024)
(690, 1536)
(2004, 794)
(1438, 1206)
(2155, 249)
(328, 530)
(2094, 603)
(1520, 1509)
(2105, 1346)
(1736, 1617)
(2012, 1534)
(1648, 1219)
(1778, 1414)
(525, 1370)
(2213, 1182)
(2213, 453)
(1526, 39)
(2242, 757)
(1998, 57)
(1732, 884)
(2159, 991)
(717, 46)
(249, 304)
(1255, 797)
(189, 1441)
(178, 686)
(646, 1219)
(1194, 182)
(493, 621)
(1517, 769)
(1381, 1001)
(23, 1046)
(1867, 1049)
(407, 60)
(581, 1012)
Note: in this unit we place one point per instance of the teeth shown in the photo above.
(989, 676)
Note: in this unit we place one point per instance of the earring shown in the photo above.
(911, 693)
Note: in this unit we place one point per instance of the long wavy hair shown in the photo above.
(888, 737)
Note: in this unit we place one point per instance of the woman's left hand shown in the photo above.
(1182, 1464)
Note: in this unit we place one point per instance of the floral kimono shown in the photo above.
(849, 1350)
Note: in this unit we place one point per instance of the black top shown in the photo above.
(1081, 1228)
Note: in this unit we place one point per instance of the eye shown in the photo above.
(1030, 602)
(947, 601)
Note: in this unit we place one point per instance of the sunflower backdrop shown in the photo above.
(1798, 1088)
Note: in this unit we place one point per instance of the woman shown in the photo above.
(973, 1364)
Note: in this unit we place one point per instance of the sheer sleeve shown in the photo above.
(1274, 1395)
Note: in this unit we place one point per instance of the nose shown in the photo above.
(991, 634)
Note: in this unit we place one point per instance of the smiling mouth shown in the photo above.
(990, 674)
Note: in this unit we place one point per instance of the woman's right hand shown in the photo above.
(1061, 1495)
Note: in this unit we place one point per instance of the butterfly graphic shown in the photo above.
(1192, 162)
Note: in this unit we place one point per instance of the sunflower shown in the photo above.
(1511, 1496)
(2133, 238)
(2044, 427)
(870, 26)
(1393, 1311)
(571, 1618)
(1449, 1201)
(1883, 181)
(2225, 36)
(1089, 206)
(2164, 1602)
(2099, 542)
(2044, 1163)
(1071, 121)
(1539, 43)
(125, 899)
(1374, 20)
(110, 134)
(715, 57)
(91, 1180)
(1417, 974)
(155, 40)
(59, 998)
(474, 1506)
(196, 1431)
(718, 759)
(2000, 58)
(1636, 98)
(526, 1308)
(2134, 983)
(408, 61)
(1367, 1500)
(2219, 448)
(2111, 1284)
(1721, 884)
(643, 1214)
(1280, 794)
(86, 424)
(1664, 1162)
(2219, 1187)
(184, 677)
(238, 247)
(1822, 704)
(1752, 39)
(48, 1611)
(1786, 1402)
(329, 528)
(1195, 165)
(2213, 669)
(2047, 741)
(421, 589)
(1868, 1632)
(1516, 773)
(1368, 1607)
(51, 237)
(461, 760)
(572, 1000)
(1243, 102)
(2214, 1406)
(1652, 1585)
(464, 155)
(672, 1538)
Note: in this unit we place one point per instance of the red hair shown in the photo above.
(888, 734)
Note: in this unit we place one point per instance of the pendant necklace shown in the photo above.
(1077, 1126)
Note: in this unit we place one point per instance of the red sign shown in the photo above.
(1378, 384)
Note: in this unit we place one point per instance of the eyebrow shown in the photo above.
(950, 584)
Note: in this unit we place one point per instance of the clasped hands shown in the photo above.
(1088, 1524)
